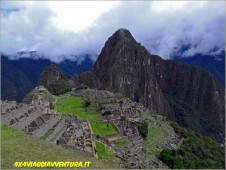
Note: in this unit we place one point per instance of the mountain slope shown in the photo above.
(14, 83)
(20, 76)
(182, 92)
(214, 64)
(55, 81)
(122, 66)
(17, 146)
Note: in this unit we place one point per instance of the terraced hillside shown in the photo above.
(102, 124)
(17, 146)
(66, 104)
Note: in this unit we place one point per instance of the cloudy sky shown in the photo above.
(56, 28)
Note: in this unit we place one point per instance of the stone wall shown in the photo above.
(59, 135)
(15, 113)
(25, 121)
(57, 129)
(7, 105)
(45, 127)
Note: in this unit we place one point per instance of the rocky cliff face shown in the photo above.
(185, 93)
(124, 66)
(90, 79)
(196, 97)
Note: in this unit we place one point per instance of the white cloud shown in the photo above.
(78, 16)
(74, 27)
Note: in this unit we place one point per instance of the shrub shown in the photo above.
(196, 152)
(143, 129)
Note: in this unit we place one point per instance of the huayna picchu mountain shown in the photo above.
(182, 92)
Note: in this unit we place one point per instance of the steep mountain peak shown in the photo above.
(178, 91)
(52, 67)
(121, 47)
(121, 35)
(124, 34)
(54, 72)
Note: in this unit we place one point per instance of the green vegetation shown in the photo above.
(143, 129)
(60, 87)
(102, 152)
(58, 133)
(51, 106)
(156, 131)
(196, 152)
(75, 105)
(50, 131)
(87, 103)
(102, 129)
(121, 143)
(17, 146)
(184, 114)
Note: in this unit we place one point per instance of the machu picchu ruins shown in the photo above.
(54, 119)
(112, 85)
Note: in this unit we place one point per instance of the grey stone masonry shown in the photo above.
(17, 113)
(7, 105)
(45, 127)
(59, 135)
(27, 119)
(56, 130)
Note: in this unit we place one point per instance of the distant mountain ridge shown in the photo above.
(215, 64)
(19, 77)
(27, 69)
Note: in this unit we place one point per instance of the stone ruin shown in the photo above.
(78, 135)
(123, 112)
(31, 119)
(125, 127)
(131, 153)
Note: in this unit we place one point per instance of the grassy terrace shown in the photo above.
(17, 146)
(47, 134)
(156, 132)
(102, 129)
(102, 152)
(121, 143)
(74, 105)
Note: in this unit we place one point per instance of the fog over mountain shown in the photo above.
(162, 27)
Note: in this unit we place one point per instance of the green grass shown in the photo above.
(71, 101)
(102, 129)
(90, 116)
(121, 143)
(102, 152)
(47, 134)
(74, 105)
(54, 137)
(17, 146)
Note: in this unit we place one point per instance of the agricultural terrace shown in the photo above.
(67, 104)
(103, 153)
(103, 129)
(75, 105)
